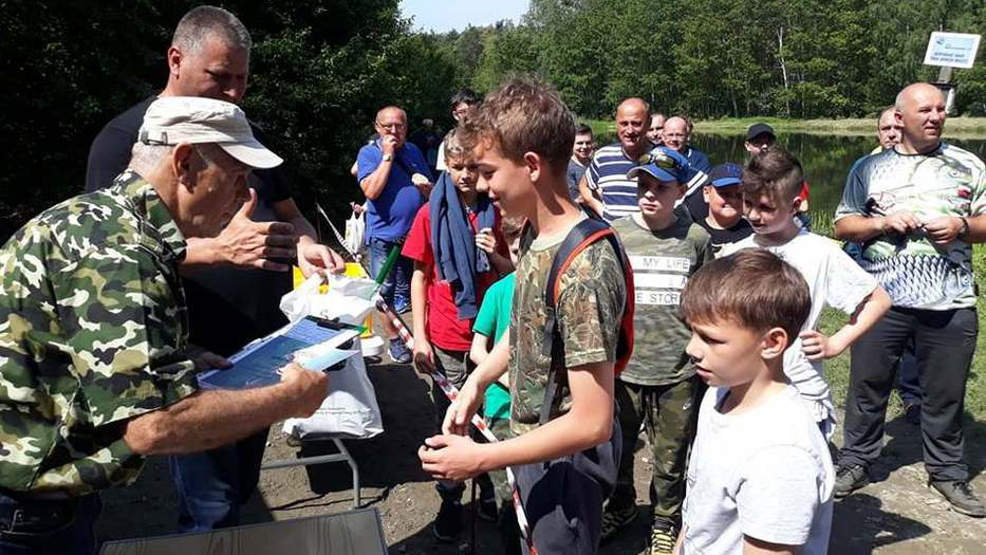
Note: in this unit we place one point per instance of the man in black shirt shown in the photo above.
(234, 281)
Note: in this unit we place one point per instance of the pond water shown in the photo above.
(826, 159)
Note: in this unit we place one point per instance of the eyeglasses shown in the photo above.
(391, 126)
(660, 159)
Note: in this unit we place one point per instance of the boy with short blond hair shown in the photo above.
(772, 182)
(565, 455)
(760, 477)
(458, 253)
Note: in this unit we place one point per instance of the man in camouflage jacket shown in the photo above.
(93, 330)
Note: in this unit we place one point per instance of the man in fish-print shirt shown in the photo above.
(917, 208)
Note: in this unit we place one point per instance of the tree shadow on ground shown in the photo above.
(860, 525)
(904, 447)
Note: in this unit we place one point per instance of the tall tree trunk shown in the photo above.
(780, 57)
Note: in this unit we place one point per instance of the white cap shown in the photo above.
(171, 120)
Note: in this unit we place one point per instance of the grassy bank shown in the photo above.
(959, 127)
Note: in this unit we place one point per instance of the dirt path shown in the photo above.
(897, 515)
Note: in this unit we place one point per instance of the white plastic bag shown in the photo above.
(348, 299)
(351, 409)
(355, 232)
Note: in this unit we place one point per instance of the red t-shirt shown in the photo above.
(445, 329)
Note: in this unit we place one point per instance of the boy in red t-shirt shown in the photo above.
(458, 252)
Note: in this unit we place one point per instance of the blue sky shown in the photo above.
(442, 15)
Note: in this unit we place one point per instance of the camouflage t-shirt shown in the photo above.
(914, 271)
(592, 294)
(662, 261)
(93, 327)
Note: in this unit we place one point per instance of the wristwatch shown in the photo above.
(388, 157)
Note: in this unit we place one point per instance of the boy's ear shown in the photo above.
(796, 204)
(775, 342)
(535, 165)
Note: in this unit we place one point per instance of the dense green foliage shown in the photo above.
(319, 72)
(321, 68)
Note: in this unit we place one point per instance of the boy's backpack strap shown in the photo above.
(585, 233)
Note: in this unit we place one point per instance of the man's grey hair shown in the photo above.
(145, 158)
(204, 22)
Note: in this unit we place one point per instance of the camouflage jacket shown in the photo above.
(93, 325)
(592, 294)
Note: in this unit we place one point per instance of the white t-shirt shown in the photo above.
(834, 280)
(765, 473)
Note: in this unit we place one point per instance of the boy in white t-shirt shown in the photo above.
(771, 184)
(760, 477)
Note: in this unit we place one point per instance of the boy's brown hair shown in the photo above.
(523, 115)
(752, 287)
(774, 172)
(512, 228)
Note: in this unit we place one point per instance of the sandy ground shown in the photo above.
(895, 515)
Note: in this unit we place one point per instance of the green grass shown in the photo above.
(837, 369)
(957, 127)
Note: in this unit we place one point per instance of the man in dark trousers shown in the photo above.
(233, 281)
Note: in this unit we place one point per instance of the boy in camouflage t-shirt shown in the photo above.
(522, 136)
(658, 387)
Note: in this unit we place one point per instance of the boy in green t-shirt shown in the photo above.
(658, 387)
(489, 327)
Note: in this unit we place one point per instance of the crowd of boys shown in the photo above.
(575, 296)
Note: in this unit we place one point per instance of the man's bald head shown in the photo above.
(920, 111)
(392, 121)
(676, 133)
(632, 120)
(392, 110)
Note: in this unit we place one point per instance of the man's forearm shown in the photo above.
(859, 228)
(207, 419)
(200, 252)
(374, 183)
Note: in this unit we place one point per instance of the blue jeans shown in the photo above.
(398, 282)
(213, 484)
(48, 527)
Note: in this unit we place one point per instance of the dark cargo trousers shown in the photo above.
(944, 342)
(669, 414)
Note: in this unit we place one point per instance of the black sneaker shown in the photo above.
(849, 478)
(960, 496)
(448, 523)
(616, 520)
(398, 351)
(663, 536)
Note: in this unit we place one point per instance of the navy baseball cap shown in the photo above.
(757, 129)
(726, 175)
(664, 164)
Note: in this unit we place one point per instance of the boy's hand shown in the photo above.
(424, 356)
(485, 240)
(453, 458)
(460, 411)
(817, 346)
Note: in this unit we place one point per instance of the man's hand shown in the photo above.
(248, 244)
(316, 258)
(817, 346)
(451, 457)
(903, 222)
(204, 359)
(460, 411)
(944, 229)
(422, 183)
(309, 388)
(388, 144)
(486, 241)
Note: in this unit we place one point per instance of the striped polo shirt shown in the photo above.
(607, 174)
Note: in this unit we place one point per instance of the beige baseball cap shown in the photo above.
(171, 120)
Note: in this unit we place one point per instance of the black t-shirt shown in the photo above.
(722, 237)
(227, 307)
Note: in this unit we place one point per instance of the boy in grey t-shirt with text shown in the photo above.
(760, 475)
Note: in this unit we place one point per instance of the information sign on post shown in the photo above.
(952, 50)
